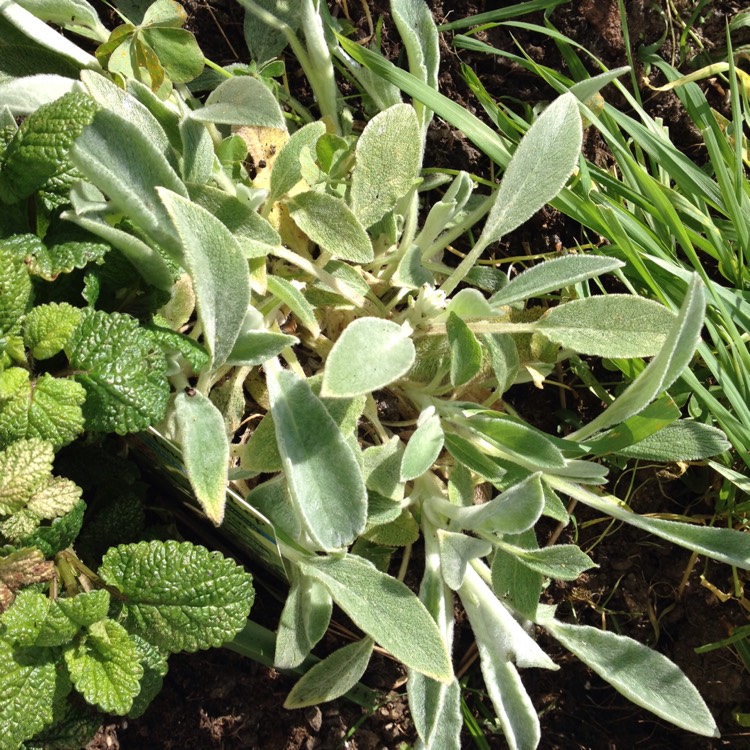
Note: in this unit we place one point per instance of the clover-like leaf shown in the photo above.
(179, 596)
(24, 466)
(105, 666)
(122, 370)
(39, 149)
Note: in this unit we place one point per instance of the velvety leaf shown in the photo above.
(174, 590)
(122, 161)
(383, 468)
(294, 299)
(641, 674)
(105, 667)
(329, 223)
(219, 272)
(330, 496)
(205, 451)
(286, 172)
(122, 370)
(553, 275)
(256, 347)
(613, 325)
(564, 562)
(436, 710)
(664, 368)
(386, 610)
(684, 440)
(332, 677)
(456, 552)
(423, 448)
(388, 156)
(540, 167)
(370, 354)
(242, 100)
(303, 622)
(515, 583)
(466, 351)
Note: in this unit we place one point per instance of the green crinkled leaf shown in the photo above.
(30, 686)
(74, 726)
(60, 534)
(47, 328)
(155, 667)
(105, 666)
(23, 621)
(49, 408)
(65, 247)
(122, 370)
(86, 608)
(330, 223)
(24, 466)
(180, 596)
(54, 499)
(15, 285)
(39, 151)
(388, 158)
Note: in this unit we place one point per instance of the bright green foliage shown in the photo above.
(30, 683)
(174, 592)
(47, 328)
(15, 287)
(64, 248)
(122, 370)
(48, 408)
(25, 466)
(105, 667)
(37, 157)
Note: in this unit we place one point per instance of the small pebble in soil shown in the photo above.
(314, 717)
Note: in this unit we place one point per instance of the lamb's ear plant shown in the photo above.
(318, 272)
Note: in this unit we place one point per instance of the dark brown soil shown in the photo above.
(643, 588)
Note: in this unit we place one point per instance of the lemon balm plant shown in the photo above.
(314, 292)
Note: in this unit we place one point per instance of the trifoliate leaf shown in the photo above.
(21, 568)
(178, 595)
(49, 408)
(105, 667)
(39, 149)
(122, 370)
(15, 285)
(30, 683)
(47, 328)
(24, 466)
(54, 499)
